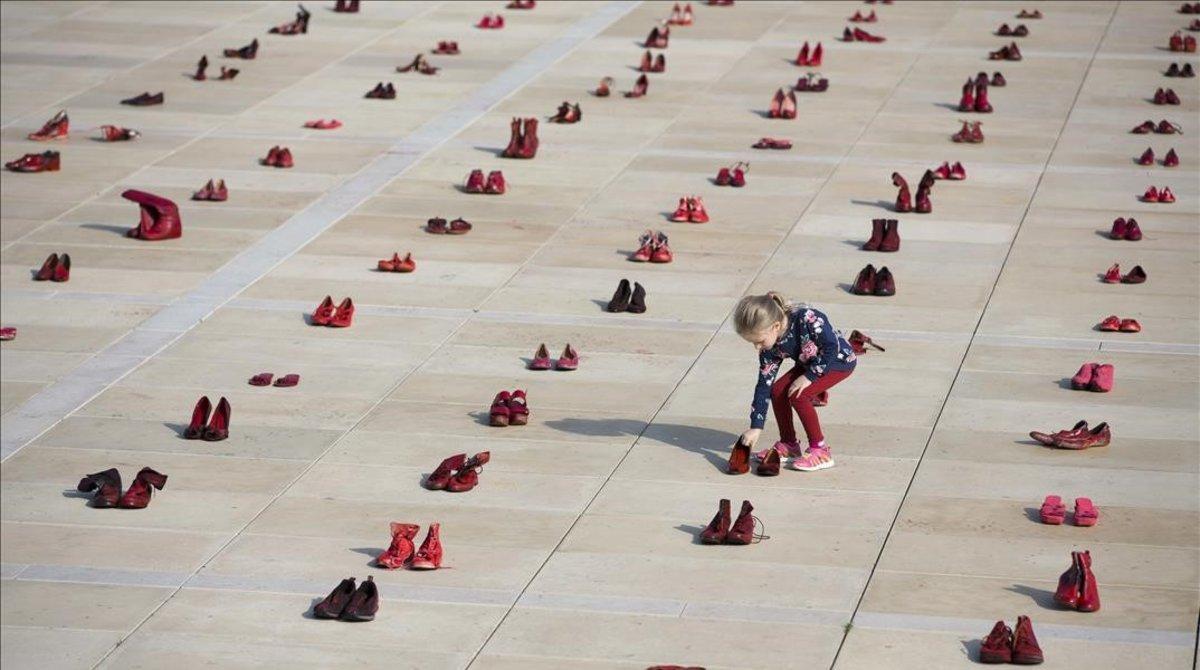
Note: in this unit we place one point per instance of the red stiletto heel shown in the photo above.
(218, 425)
(518, 409)
(195, 429)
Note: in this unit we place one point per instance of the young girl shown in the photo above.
(823, 358)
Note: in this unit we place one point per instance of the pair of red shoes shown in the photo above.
(1113, 276)
(859, 18)
(159, 217)
(1170, 160)
(954, 172)
(1095, 377)
(735, 175)
(653, 63)
(860, 35)
(494, 184)
(1125, 229)
(438, 226)
(783, 105)
(1003, 645)
(1181, 42)
(874, 282)
(1189, 8)
(885, 236)
(1077, 587)
(690, 210)
(334, 317)
(509, 409)
(347, 603)
(212, 192)
(47, 161)
(521, 4)
(55, 268)
(779, 143)
(1166, 97)
(904, 202)
(1077, 438)
(1019, 31)
(107, 488)
(1053, 512)
(1011, 52)
(569, 360)
(975, 96)
(400, 553)
(447, 49)
(57, 128)
(322, 124)
(567, 113)
(1115, 324)
(264, 379)
(723, 530)
(523, 141)
(1163, 127)
(805, 58)
(457, 474)
(681, 17)
(226, 73)
(248, 52)
(397, 264)
(971, 133)
(1164, 195)
(659, 37)
(212, 428)
(490, 21)
(653, 247)
(279, 157)
(1025, 14)
(381, 91)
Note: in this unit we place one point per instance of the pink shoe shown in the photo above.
(816, 458)
(786, 450)
(1102, 378)
(1053, 510)
(1083, 378)
(1086, 513)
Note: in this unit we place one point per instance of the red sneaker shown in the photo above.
(569, 360)
(645, 249)
(662, 250)
(681, 212)
(429, 556)
(696, 211)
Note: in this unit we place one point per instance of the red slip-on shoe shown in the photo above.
(499, 415)
(864, 283)
(204, 193)
(429, 556)
(1048, 438)
(1171, 159)
(681, 212)
(333, 604)
(1110, 324)
(1089, 592)
(1025, 648)
(436, 225)
(541, 359)
(285, 159)
(57, 128)
(324, 312)
(287, 381)
(138, 495)
(1136, 276)
(1082, 379)
(467, 476)
(942, 171)
(724, 176)
(364, 604)
(1144, 128)
(1067, 593)
(495, 183)
(739, 459)
(475, 183)
(195, 429)
(997, 646)
(1160, 97)
(885, 283)
(958, 172)
(696, 211)
(518, 408)
(1112, 275)
(344, 315)
(218, 424)
(1086, 513)
(569, 360)
(144, 100)
(1120, 228)
(1130, 326)
(46, 272)
(1166, 196)
(1100, 436)
(107, 487)
(718, 528)
(401, 549)
(62, 271)
(459, 226)
(262, 379)
(1102, 378)
(1053, 511)
(662, 249)
(1147, 157)
(645, 248)
(272, 159)
(1133, 232)
(7, 334)
(47, 161)
(440, 477)
(406, 264)
(219, 193)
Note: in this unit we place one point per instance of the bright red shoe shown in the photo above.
(818, 53)
(1067, 593)
(645, 248)
(46, 272)
(1086, 513)
(344, 315)
(1110, 324)
(1089, 591)
(518, 408)
(1113, 274)
(958, 172)
(218, 424)
(47, 161)
(662, 250)
(1053, 511)
(195, 429)
(401, 549)
(323, 314)
(942, 171)
(62, 271)
(467, 476)
(802, 57)
(138, 495)
(1083, 378)
(1130, 326)
(57, 128)
(406, 264)
(1166, 195)
(429, 556)
(696, 211)
(681, 212)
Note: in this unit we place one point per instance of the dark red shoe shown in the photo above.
(859, 341)
(429, 556)
(1025, 648)
(718, 528)
(1133, 232)
(640, 87)
(138, 495)
(1049, 438)
(200, 68)
(46, 272)
(459, 226)
(891, 236)
(467, 476)
(739, 459)
(877, 231)
(248, 52)
(1089, 592)
(769, 466)
(344, 315)
(1144, 128)
(499, 415)
(513, 149)
(1136, 276)
(144, 100)
(159, 216)
(518, 408)
(333, 604)
(568, 360)
(1119, 229)
(1067, 593)
(476, 182)
(997, 646)
(1147, 157)
(195, 429)
(402, 548)
(62, 271)
(107, 487)
(495, 183)
(218, 426)
(285, 158)
(903, 197)
(982, 105)
(864, 283)
(967, 102)
(742, 530)
(57, 128)
(885, 284)
(439, 478)
(47, 161)
(1171, 159)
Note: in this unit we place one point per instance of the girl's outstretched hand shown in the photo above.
(750, 437)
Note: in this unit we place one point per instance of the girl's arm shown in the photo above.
(768, 367)
(825, 337)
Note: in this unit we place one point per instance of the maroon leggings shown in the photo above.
(782, 404)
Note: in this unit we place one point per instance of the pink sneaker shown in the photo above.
(816, 458)
(786, 450)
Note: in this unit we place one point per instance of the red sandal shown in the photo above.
(1086, 513)
(1053, 510)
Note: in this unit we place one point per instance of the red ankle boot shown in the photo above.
(877, 230)
(967, 102)
(981, 99)
(401, 549)
(742, 530)
(429, 556)
(514, 143)
(138, 495)
(1089, 593)
(107, 487)
(891, 236)
(529, 139)
(467, 476)
(218, 426)
(903, 197)
(718, 528)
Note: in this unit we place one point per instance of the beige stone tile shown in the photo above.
(60, 647)
(94, 607)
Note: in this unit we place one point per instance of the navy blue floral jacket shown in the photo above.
(813, 343)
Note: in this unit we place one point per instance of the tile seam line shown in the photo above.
(609, 13)
(975, 333)
(526, 68)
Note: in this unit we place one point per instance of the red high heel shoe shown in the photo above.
(802, 58)
(639, 88)
(647, 63)
(159, 217)
(138, 495)
(495, 183)
(57, 128)
(440, 478)
(1147, 157)
(107, 487)
(467, 476)
(660, 63)
(218, 426)
(518, 408)
(429, 556)
(1166, 195)
(248, 52)
(62, 271)
(401, 549)
(344, 315)
(323, 314)
(195, 429)
(776, 108)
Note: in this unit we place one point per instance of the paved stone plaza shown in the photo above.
(578, 549)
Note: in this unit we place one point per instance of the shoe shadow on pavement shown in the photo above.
(495, 151)
(373, 552)
(971, 648)
(848, 288)
(1033, 514)
(883, 204)
(712, 444)
(112, 229)
(952, 106)
(1065, 383)
(1043, 598)
(308, 613)
(179, 428)
(694, 531)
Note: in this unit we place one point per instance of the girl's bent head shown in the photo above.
(761, 319)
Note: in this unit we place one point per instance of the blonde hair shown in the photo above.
(756, 313)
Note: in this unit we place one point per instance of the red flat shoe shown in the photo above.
(1136, 276)
(467, 476)
(518, 409)
(541, 359)
(429, 556)
(437, 226)
(772, 143)
(1147, 157)
(138, 495)
(645, 249)
(117, 134)
(1100, 436)
(57, 128)
(287, 381)
(262, 379)
(498, 415)
(1086, 513)
(401, 548)
(1048, 439)
(1053, 511)
(1110, 324)
(495, 183)
(696, 211)
(1113, 274)
(662, 250)
(459, 226)
(364, 604)
(569, 360)
(218, 424)
(1129, 326)
(195, 429)
(344, 315)
(1133, 232)
(943, 171)
(323, 314)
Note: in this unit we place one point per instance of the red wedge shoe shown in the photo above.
(429, 556)
(499, 414)
(401, 548)
(344, 315)
(1086, 513)
(218, 425)
(439, 478)
(467, 476)
(138, 495)
(1053, 511)
(518, 409)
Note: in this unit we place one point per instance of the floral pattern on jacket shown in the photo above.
(816, 347)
